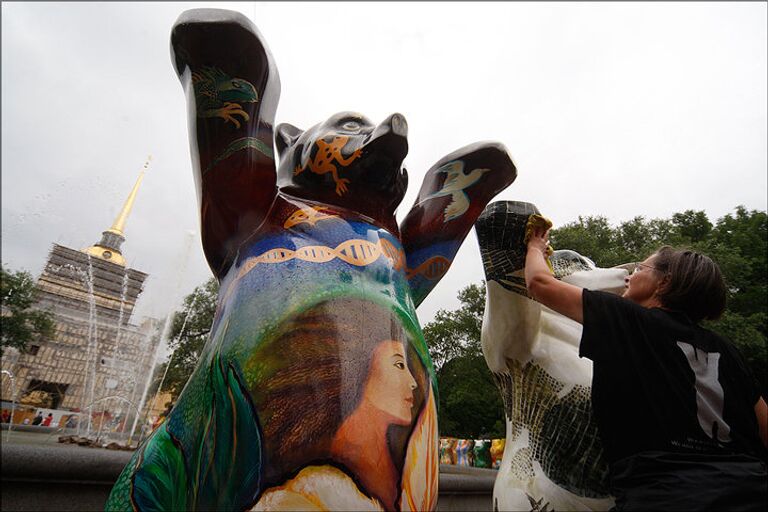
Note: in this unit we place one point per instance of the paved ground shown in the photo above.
(28, 435)
(39, 473)
(17, 437)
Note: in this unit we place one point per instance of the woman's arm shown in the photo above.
(542, 285)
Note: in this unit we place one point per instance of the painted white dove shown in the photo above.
(454, 185)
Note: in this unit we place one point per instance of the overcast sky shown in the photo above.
(615, 109)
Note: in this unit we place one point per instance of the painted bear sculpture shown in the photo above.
(315, 390)
(553, 459)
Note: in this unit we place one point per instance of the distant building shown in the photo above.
(96, 355)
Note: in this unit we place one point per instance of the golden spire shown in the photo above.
(119, 224)
(109, 247)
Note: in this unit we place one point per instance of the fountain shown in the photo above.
(140, 387)
(117, 352)
(122, 375)
(186, 250)
(106, 399)
(90, 379)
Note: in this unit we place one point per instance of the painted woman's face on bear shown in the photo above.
(390, 384)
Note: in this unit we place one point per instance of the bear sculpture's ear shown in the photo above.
(286, 136)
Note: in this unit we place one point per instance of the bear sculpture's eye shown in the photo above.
(351, 126)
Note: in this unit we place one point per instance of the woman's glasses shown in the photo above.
(639, 266)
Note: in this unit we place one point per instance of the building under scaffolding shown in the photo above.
(96, 355)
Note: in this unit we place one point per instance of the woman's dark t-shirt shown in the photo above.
(661, 382)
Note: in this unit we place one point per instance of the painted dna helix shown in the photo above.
(354, 251)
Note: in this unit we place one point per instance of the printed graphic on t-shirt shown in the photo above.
(709, 392)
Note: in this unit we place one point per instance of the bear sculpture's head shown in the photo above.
(347, 161)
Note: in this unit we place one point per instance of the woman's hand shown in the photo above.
(537, 235)
(539, 241)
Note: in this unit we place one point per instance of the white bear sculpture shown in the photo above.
(553, 457)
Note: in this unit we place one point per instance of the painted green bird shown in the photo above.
(219, 95)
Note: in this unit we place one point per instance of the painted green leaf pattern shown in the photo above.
(120, 497)
(225, 471)
(238, 145)
(229, 460)
(160, 482)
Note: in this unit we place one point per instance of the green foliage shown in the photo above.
(189, 331)
(21, 323)
(737, 242)
(470, 404)
(591, 236)
(743, 238)
(691, 225)
(748, 334)
(456, 333)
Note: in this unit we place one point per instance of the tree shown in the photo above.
(189, 332)
(591, 236)
(739, 244)
(21, 322)
(456, 333)
(744, 237)
(692, 225)
(470, 404)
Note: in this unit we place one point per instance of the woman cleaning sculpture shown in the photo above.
(682, 422)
